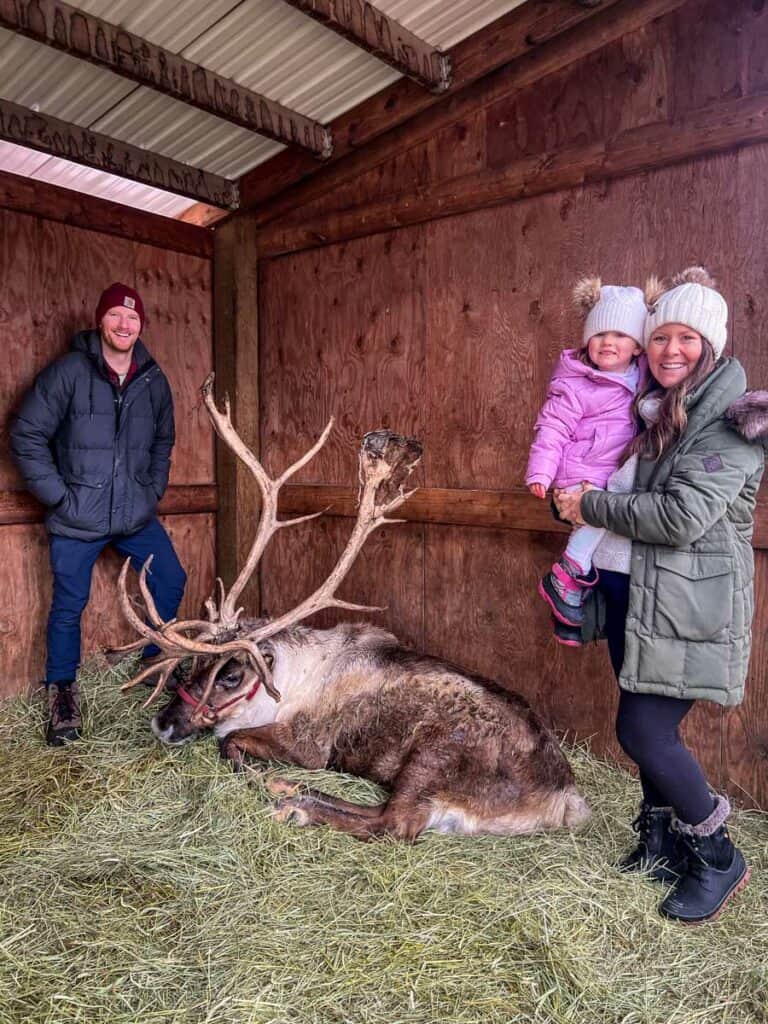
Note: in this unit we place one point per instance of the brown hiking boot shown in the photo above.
(64, 721)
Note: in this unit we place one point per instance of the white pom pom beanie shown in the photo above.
(620, 308)
(693, 302)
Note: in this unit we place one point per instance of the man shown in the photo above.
(93, 441)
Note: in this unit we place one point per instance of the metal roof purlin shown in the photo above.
(371, 29)
(87, 37)
(80, 145)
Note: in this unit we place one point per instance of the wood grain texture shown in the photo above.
(69, 207)
(236, 343)
(176, 290)
(342, 335)
(745, 728)
(389, 573)
(483, 613)
(24, 607)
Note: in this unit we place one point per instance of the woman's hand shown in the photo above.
(568, 503)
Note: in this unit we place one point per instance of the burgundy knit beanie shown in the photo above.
(120, 295)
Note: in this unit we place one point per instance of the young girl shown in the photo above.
(582, 429)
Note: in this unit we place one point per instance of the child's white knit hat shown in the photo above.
(610, 307)
(692, 300)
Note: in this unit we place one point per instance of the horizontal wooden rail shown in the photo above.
(185, 499)
(50, 202)
(723, 126)
(500, 510)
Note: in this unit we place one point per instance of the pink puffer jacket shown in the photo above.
(583, 427)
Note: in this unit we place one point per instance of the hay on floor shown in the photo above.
(147, 885)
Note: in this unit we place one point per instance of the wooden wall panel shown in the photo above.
(745, 732)
(341, 334)
(176, 290)
(24, 607)
(389, 573)
(482, 612)
(496, 313)
(621, 86)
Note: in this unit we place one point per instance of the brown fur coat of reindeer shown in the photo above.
(457, 752)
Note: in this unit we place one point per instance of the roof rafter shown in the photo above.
(80, 145)
(90, 38)
(369, 28)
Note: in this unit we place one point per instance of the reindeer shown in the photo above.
(457, 752)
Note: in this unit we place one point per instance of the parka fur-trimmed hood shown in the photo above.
(748, 416)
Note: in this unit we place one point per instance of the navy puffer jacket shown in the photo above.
(96, 457)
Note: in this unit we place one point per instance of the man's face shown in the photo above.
(120, 328)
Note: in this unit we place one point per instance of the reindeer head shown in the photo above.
(231, 659)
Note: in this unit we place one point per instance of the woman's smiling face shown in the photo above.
(673, 352)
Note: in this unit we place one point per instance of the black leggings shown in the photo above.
(647, 726)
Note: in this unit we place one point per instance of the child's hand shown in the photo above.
(538, 490)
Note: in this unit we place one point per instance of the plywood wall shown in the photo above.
(448, 330)
(52, 276)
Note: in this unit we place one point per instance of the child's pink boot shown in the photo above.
(563, 590)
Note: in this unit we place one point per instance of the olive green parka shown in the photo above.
(688, 628)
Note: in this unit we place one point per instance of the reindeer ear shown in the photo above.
(694, 275)
(586, 293)
(654, 289)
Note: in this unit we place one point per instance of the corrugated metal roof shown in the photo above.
(264, 45)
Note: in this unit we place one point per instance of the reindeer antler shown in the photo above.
(386, 461)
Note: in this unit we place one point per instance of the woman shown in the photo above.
(679, 615)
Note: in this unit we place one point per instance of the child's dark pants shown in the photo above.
(647, 725)
(72, 562)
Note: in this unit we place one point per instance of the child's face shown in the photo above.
(612, 351)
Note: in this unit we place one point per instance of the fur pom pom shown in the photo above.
(694, 275)
(654, 289)
(586, 293)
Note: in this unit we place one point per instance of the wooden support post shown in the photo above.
(82, 146)
(372, 30)
(236, 363)
(89, 38)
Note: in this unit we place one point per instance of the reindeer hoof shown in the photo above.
(281, 787)
(290, 812)
(230, 751)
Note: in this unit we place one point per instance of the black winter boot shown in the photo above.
(659, 851)
(64, 721)
(716, 869)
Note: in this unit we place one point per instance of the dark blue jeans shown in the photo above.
(72, 563)
(647, 726)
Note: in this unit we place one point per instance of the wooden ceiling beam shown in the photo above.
(65, 205)
(90, 38)
(49, 135)
(544, 34)
(362, 24)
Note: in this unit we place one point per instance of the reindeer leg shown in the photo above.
(401, 817)
(273, 742)
(306, 809)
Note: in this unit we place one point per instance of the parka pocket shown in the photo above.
(693, 594)
(85, 505)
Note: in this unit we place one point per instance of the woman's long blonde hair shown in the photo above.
(653, 442)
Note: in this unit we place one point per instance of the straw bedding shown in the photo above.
(146, 885)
